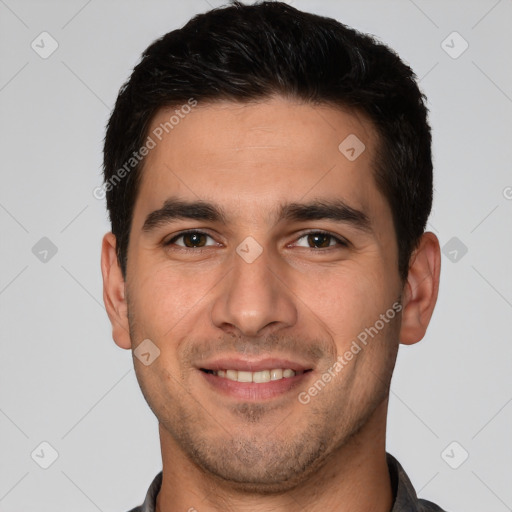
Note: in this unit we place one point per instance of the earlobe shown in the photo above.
(421, 289)
(114, 292)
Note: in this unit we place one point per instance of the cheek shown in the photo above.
(167, 299)
(349, 299)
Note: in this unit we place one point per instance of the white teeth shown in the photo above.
(257, 377)
(276, 374)
(244, 376)
(263, 376)
(232, 374)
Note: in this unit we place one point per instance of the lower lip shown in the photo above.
(254, 391)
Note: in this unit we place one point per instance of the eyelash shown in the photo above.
(340, 241)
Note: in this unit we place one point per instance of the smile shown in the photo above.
(259, 377)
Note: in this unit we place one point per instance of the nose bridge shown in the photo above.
(252, 299)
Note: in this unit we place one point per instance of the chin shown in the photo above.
(262, 469)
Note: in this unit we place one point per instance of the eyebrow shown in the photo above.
(174, 209)
(336, 210)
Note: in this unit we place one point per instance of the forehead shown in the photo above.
(251, 157)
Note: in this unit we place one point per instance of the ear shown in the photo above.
(420, 290)
(114, 292)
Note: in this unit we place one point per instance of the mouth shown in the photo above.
(259, 377)
(254, 380)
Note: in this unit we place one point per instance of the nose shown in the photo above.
(254, 298)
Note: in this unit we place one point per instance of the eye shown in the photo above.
(320, 240)
(190, 240)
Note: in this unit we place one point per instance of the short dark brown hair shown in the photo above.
(245, 53)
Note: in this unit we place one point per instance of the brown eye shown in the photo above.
(190, 240)
(194, 239)
(320, 240)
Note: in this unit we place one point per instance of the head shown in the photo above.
(295, 153)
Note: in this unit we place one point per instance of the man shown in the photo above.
(269, 178)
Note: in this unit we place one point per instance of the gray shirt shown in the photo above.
(403, 492)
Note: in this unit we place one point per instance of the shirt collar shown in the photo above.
(405, 500)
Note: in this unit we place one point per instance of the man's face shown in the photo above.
(276, 279)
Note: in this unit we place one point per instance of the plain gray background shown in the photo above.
(63, 381)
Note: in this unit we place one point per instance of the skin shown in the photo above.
(299, 299)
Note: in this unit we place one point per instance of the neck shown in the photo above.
(354, 478)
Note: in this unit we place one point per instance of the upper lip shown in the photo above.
(252, 365)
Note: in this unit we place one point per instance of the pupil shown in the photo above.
(319, 240)
(193, 239)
